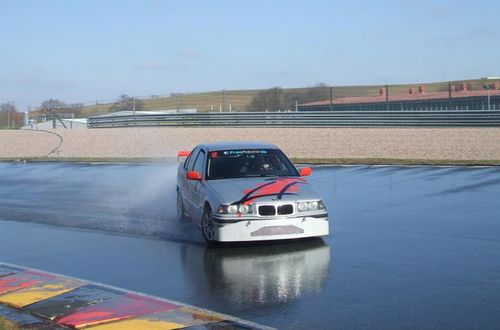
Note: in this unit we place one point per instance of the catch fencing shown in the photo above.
(468, 118)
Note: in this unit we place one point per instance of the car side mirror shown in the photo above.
(305, 171)
(193, 175)
(183, 153)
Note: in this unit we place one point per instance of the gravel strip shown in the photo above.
(445, 144)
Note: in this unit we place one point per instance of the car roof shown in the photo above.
(234, 145)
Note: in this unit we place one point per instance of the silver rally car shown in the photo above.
(246, 191)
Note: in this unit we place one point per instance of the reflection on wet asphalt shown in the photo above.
(411, 247)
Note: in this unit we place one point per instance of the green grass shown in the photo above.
(7, 325)
(132, 160)
(240, 99)
(325, 161)
(396, 161)
(203, 102)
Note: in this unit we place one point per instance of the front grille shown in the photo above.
(267, 210)
(277, 230)
(285, 209)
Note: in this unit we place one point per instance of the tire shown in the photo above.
(207, 227)
(181, 211)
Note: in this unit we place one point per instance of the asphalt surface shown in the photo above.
(411, 247)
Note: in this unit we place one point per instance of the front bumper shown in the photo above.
(258, 229)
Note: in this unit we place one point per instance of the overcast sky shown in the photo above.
(80, 51)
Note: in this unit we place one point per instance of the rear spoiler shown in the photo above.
(183, 153)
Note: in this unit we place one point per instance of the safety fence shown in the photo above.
(453, 95)
(469, 118)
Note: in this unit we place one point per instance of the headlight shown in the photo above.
(302, 206)
(244, 208)
(310, 206)
(313, 205)
(234, 208)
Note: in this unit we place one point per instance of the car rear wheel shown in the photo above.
(207, 227)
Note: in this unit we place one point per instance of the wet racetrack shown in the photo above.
(411, 247)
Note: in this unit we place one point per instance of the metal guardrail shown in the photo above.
(480, 118)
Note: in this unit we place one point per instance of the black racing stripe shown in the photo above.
(245, 198)
(267, 195)
(285, 188)
(280, 194)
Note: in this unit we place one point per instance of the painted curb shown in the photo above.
(34, 299)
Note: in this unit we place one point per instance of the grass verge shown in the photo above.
(7, 325)
(322, 161)
(397, 161)
(136, 160)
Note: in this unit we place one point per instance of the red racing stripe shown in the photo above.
(276, 187)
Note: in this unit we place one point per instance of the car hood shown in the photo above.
(250, 190)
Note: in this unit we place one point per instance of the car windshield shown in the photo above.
(247, 163)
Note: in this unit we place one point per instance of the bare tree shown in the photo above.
(52, 106)
(268, 100)
(75, 108)
(9, 117)
(318, 92)
(126, 103)
(276, 98)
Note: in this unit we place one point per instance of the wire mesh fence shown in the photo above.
(481, 94)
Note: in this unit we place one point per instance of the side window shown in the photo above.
(199, 163)
(188, 164)
(186, 161)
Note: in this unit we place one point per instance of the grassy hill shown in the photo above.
(239, 100)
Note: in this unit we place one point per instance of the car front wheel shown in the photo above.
(207, 227)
